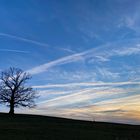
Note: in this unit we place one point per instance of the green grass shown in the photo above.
(33, 127)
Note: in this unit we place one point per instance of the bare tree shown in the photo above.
(13, 90)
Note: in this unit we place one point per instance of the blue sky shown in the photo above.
(83, 55)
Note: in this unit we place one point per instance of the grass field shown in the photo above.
(33, 127)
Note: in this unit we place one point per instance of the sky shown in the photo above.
(83, 56)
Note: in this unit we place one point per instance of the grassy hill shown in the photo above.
(33, 127)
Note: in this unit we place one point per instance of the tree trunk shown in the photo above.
(11, 112)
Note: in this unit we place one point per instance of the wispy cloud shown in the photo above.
(92, 95)
(95, 103)
(106, 73)
(131, 21)
(23, 39)
(67, 50)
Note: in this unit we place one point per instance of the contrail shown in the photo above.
(31, 41)
(24, 39)
(16, 51)
(60, 61)
(86, 84)
(95, 53)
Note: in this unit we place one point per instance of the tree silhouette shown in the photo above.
(13, 90)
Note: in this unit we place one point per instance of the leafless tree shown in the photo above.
(14, 91)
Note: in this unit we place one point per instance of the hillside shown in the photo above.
(34, 127)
